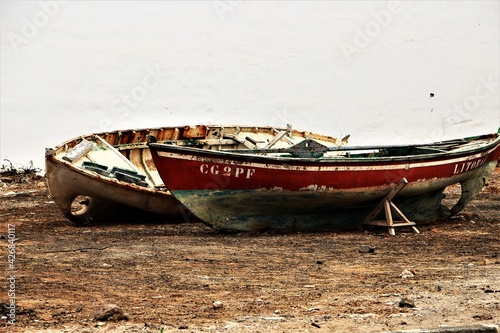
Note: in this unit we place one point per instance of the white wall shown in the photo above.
(365, 68)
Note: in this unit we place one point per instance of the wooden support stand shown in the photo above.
(389, 207)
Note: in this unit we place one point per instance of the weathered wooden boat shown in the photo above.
(303, 187)
(112, 175)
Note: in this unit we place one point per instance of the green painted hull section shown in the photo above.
(258, 210)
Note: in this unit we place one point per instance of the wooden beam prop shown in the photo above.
(388, 206)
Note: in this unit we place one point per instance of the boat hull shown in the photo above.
(105, 199)
(253, 193)
(85, 194)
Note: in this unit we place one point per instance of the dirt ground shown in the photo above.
(169, 277)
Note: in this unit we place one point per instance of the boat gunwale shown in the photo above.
(335, 160)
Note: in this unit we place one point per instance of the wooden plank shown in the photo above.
(403, 224)
(78, 151)
(276, 138)
(388, 213)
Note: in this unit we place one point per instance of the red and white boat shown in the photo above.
(311, 186)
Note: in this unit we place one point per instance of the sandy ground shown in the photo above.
(187, 277)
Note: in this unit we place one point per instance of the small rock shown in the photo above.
(315, 325)
(366, 249)
(485, 316)
(110, 312)
(273, 318)
(230, 325)
(319, 262)
(406, 303)
(217, 304)
(406, 274)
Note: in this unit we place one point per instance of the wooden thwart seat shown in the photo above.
(389, 207)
